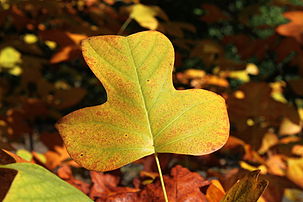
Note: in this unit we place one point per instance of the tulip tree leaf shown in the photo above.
(34, 183)
(144, 113)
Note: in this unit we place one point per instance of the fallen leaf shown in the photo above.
(105, 188)
(69, 44)
(294, 170)
(215, 192)
(295, 27)
(213, 14)
(287, 127)
(247, 189)
(273, 193)
(58, 157)
(183, 185)
(66, 174)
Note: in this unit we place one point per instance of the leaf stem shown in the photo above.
(161, 177)
(125, 24)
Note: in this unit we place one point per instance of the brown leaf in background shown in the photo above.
(105, 188)
(183, 185)
(66, 174)
(213, 14)
(297, 86)
(257, 48)
(69, 44)
(247, 189)
(254, 112)
(273, 193)
(68, 97)
(51, 140)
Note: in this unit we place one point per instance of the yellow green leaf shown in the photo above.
(34, 183)
(144, 113)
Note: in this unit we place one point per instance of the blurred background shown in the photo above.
(248, 51)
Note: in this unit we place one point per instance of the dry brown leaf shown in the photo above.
(183, 185)
(66, 174)
(213, 14)
(105, 188)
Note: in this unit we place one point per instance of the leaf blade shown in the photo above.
(137, 75)
(34, 182)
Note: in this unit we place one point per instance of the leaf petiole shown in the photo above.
(161, 177)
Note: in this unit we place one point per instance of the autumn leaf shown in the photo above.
(144, 114)
(213, 14)
(69, 43)
(247, 189)
(215, 191)
(295, 27)
(294, 170)
(66, 174)
(146, 15)
(182, 185)
(33, 182)
(105, 187)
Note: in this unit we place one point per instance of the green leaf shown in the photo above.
(247, 189)
(35, 183)
(144, 113)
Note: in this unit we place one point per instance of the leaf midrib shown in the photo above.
(141, 92)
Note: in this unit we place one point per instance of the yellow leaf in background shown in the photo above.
(301, 113)
(51, 44)
(293, 195)
(277, 91)
(288, 127)
(194, 73)
(9, 57)
(16, 71)
(246, 166)
(268, 141)
(295, 170)
(252, 69)
(146, 15)
(239, 94)
(240, 75)
(30, 38)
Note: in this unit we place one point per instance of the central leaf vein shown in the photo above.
(141, 91)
